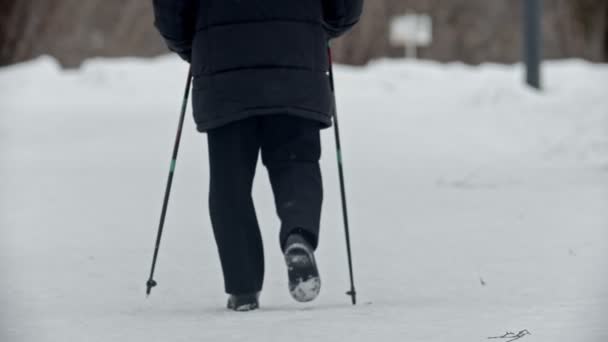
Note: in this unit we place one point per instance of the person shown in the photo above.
(260, 83)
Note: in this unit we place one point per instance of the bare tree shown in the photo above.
(476, 31)
(473, 31)
(72, 30)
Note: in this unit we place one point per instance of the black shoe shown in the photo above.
(244, 302)
(304, 280)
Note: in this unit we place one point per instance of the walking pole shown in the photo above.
(151, 282)
(352, 293)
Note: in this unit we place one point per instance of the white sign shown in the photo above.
(411, 31)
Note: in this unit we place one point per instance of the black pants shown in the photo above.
(291, 150)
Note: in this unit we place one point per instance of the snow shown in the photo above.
(478, 207)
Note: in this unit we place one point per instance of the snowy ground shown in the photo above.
(477, 206)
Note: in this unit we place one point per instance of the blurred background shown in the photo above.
(472, 31)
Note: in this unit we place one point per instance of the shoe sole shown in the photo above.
(244, 307)
(304, 280)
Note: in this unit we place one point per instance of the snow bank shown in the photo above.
(420, 106)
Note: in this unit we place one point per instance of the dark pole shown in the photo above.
(532, 42)
(151, 282)
(352, 293)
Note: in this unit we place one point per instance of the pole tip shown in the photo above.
(149, 285)
(353, 296)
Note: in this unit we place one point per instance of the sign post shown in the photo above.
(532, 42)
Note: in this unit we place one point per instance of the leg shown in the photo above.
(233, 155)
(291, 149)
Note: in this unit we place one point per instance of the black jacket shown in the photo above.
(256, 57)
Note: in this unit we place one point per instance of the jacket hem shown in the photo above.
(323, 119)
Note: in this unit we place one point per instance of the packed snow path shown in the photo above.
(477, 207)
